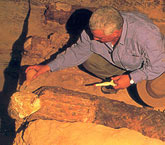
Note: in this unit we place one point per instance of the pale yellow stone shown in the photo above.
(23, 104)
(63, 6)
(51, 132)
(28, 44)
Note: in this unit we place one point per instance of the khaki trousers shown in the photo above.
(100, 67)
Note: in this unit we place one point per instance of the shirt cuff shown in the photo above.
(138, 76)
(53, 66)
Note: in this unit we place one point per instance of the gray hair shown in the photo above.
(107, 19)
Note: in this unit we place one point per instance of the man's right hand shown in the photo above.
(40, 69)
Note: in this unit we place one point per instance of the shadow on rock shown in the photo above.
(11, 75)
(76, 23)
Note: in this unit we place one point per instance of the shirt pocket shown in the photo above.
(131, 60)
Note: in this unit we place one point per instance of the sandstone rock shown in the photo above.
(63, 6)
(58, 40)
(154, 9)
(51, 132)
(156, 13)
(36, 46)
(38, 49)
(72, 106)
(23, 104)
(60, 12)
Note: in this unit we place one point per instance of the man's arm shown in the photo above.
(152, 50)
(153, 54)
(74, 55)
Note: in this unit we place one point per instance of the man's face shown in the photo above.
(101, 37)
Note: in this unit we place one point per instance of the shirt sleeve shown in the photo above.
(153, 55)
(74, 55)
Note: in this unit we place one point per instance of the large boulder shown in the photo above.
(39, 49)
(51, 132)
(56, 103)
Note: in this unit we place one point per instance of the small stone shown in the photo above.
(63, 6)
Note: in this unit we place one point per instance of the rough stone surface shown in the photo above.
(65, 106)
(51, 132)
(155, 9)
(44, 29)
(23, 104)
(73, 106)
(60, 12)
(38, 49)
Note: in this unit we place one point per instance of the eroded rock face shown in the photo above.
(58, 12)
(58, 40)
(154, 9)
(36, 46)
(55, 103)
(38, 49)
(51, 132)
(23, 104)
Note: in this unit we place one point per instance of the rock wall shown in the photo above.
(48, 37)
(51, 132)
(155, 9)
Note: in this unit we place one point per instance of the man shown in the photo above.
(120, 42)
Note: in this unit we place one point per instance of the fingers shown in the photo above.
(115, 78)
(32, 67)
(40, 69)
(121, 81)
(116, 87)
(35, 76)
(38, 73)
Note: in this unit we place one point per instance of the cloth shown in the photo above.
(100, 67)
(141, 49)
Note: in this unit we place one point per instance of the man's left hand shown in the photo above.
(122, 81)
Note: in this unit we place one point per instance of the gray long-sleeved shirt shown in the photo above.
(141, 49)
